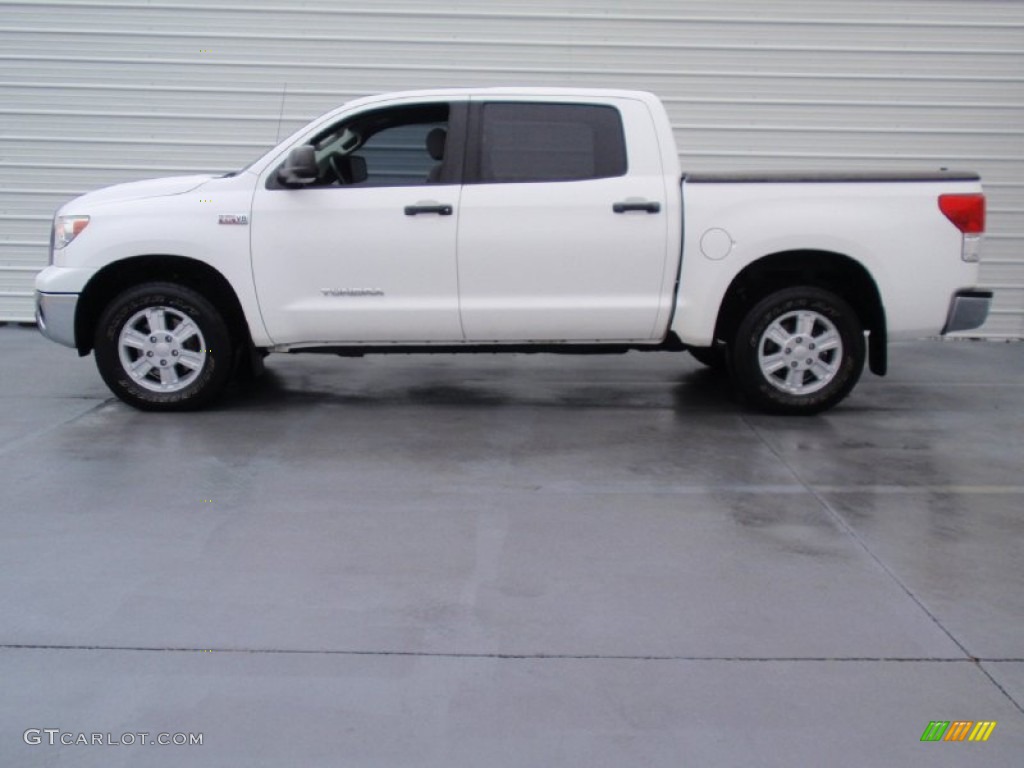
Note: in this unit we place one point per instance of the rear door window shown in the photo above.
(540, 142)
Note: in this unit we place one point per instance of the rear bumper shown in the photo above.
(55, 316)
(967, 309)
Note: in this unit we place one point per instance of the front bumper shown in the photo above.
(55, 316)
(967, 310)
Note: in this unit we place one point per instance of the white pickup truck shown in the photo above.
(552, 220)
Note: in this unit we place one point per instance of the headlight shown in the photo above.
(67, 228)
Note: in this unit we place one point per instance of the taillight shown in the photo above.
(967, 212)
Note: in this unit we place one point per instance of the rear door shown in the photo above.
(563, 223)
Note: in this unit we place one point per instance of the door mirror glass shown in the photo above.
(349, 169)
(300, 168)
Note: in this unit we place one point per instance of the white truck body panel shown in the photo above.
(894, 229)
(175, 216)
(307, 243)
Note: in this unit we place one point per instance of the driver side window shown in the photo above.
(398, 146)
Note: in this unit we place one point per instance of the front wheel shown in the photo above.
(163, 347)
(798, 351)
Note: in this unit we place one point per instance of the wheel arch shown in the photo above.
(120, 275)
(834, 272)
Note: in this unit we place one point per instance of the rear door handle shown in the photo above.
(634, 205)
(440, 209)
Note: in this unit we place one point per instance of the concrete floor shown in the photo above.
(513, 561)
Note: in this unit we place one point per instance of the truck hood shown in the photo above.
(140, 190)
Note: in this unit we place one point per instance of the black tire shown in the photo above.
(163, 347)
(798, 351)
(713, 357)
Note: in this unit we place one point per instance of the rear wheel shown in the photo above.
(163, 347)
(799, 351)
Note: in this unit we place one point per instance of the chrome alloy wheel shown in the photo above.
(161, 349)
(800, 352)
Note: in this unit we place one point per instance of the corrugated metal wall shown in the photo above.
(97, 92)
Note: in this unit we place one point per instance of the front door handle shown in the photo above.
(440, 209)
(635, 205)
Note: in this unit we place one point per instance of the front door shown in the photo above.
(366, 253)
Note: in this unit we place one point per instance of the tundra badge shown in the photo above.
(351, 291)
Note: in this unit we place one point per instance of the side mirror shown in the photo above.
(300, 168)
